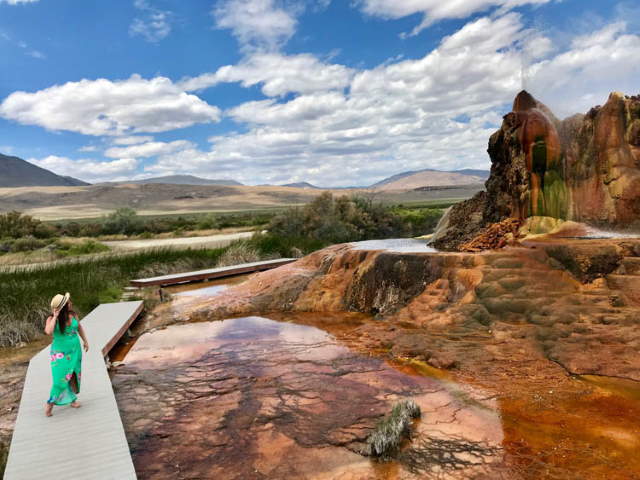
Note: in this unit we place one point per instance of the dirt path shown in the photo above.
(129, 247)
(220, 240)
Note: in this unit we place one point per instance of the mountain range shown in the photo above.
(181, 180)
(15, 172)
(415, 179)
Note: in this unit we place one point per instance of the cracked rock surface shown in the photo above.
(257, 398)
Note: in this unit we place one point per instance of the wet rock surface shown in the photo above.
(574, 301)
(520, 325)
(255, 398)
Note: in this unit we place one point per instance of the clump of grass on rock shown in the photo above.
(385, 441)
(238, 253)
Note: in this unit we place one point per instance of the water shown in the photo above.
(204, 289)
(257, 398)
(397, 245)
(295, 396)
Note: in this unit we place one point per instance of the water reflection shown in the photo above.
(291, 397)
(204, 289)
(257, 398)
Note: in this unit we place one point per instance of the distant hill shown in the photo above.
(475, 173)
(182, 180)
(16, 172)
(300, 185)
(431, 178)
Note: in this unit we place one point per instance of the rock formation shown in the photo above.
(585, 168)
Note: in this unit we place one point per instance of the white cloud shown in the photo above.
(88, 170)
(150, 149)
(17, 2)
(36, 54)
(88, 148)
(132, 140)
(582, 77)
(279, 74)
(23, 45)
(105, 107)
(153, 25)
(434, 10)
(257, 24)
(433, 112)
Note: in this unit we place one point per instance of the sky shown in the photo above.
(333, 92)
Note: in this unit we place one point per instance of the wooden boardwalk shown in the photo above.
(210, 274)
(84, 443)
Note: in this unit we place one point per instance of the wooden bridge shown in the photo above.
(211, 273)
(84, 443)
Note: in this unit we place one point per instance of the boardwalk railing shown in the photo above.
(84, 443)
(211, 273)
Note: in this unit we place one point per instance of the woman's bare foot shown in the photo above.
(75, 404)
(48, 409)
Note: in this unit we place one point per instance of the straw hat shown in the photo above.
(60, 301)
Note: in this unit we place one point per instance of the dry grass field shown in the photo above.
(54, 203)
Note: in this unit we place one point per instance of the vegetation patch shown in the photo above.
(329, 220)
(384, 443)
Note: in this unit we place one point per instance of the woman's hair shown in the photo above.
(63, 317)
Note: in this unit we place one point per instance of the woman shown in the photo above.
(66, 356)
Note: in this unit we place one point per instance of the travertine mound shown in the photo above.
(585, 169)
(573, 302)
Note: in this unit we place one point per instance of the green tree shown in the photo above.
(124, 220)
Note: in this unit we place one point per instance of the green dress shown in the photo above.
(66, 362)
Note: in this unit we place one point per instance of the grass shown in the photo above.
(188, 216)
(54, 249)
(26, 294)
(385, 441)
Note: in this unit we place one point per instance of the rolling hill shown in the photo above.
(300, 185)
(16, 172)
(431, 178)
(180, 180)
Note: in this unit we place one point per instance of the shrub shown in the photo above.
(237, 253)
(385, 440)
(85, 247)
(16, 225)
(327, 219)
(269, 244)
(208, 222)
(123, 220)
(27, 244)
(330, 219)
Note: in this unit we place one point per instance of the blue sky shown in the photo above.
(333, 92)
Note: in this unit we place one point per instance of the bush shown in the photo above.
(330, 219)
(269, 244)
(237, 253)
(27, 244)
(123, 220)
(385, 440)
(16, 225)
(86, 247)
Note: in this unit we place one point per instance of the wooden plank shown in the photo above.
(125, 326)
(83, 443)
(211, 273)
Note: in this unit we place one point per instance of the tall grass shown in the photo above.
(25, 294)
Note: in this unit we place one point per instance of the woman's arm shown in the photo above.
(50, 325)
(85, 342)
